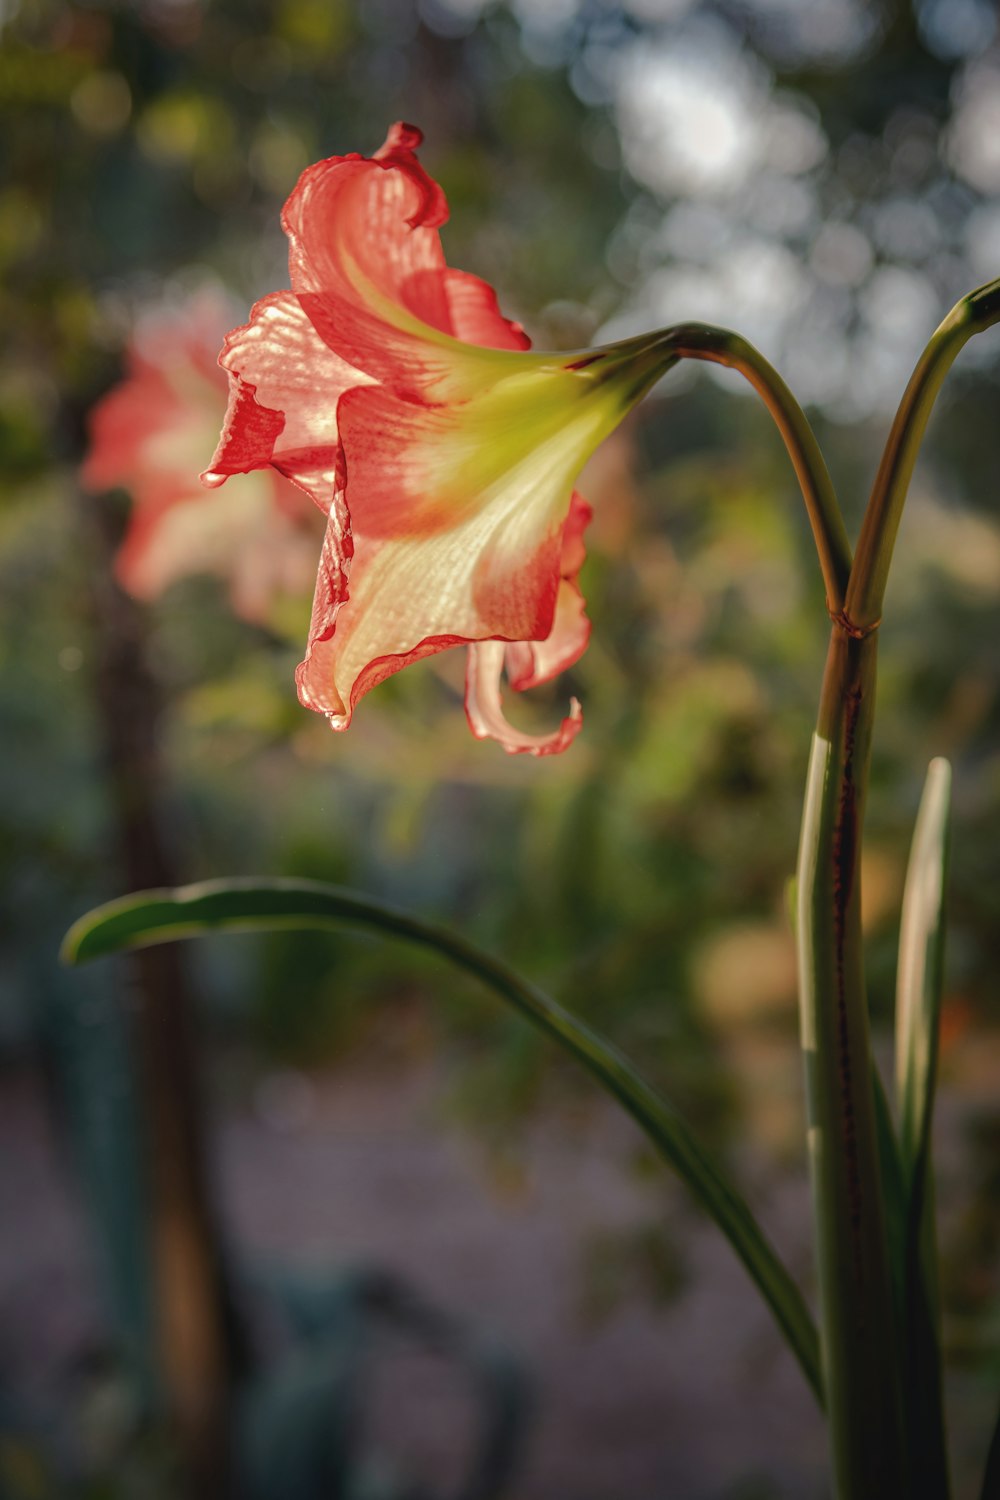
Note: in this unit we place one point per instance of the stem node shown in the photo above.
(842, 620)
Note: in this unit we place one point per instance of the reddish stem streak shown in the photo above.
(845, 856)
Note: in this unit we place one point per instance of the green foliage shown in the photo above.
(250, 905)
(918, 1026)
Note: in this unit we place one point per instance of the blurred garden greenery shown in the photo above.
(824, 178)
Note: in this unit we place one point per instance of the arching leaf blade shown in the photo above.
(919, 989)
(257, 904)
(920, 974)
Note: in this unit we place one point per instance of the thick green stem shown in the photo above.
(860, 1363)
(866, 590)
(723, 347)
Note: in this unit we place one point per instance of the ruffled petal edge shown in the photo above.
(249, 433)
(484, 707)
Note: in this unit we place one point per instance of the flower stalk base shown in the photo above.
(860, 1364)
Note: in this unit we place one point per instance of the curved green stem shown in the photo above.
(866, 590)
(860, 1362)
(723, 347)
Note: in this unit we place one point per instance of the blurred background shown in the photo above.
(315, 1188)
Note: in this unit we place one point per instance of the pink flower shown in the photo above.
(391, 388)
(148, 435)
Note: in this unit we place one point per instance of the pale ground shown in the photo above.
(693, 1400)
(690, 1399)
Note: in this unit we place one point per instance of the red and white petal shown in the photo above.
(462, 531)
(249, 433)
(484, 707)
(437, 561)
(241, 534)
(408, 598)
(474, 314)
(366, 262)
(285, 383)
(183, 339)
(529, 663)
(151, 433)
(148, 433)
(121, 425)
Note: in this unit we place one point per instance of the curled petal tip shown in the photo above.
(484, 708)
(402, 137)
(399, 150)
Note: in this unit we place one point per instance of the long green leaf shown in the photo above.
(920, 976)
(251, 904)
(893, 1194)
(919, 984)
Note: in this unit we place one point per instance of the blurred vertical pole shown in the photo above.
(198, 1347)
